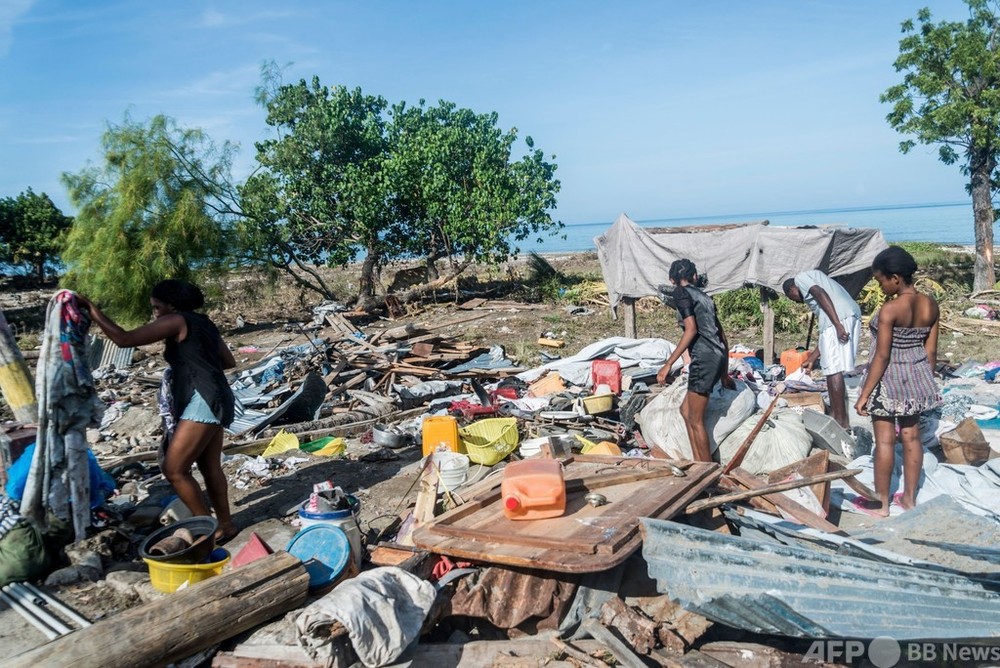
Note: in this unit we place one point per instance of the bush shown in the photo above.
(740, 309)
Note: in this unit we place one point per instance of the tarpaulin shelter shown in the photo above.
(636, 260)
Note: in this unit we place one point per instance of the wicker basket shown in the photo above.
(965, 444)
(488, 441)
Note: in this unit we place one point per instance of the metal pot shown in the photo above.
(389, 437)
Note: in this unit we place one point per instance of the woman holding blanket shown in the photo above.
(704, 339)
(900, 383)
(201, 401)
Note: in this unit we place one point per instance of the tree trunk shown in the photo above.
(366, 284)
(981, 167)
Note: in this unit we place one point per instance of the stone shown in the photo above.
(125, 582)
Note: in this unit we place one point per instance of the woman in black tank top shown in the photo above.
(202, 402)
(704, 339)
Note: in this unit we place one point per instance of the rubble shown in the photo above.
(611, 581)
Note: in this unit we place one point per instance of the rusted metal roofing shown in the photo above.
(795, 591)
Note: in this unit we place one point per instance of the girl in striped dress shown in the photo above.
(900, 383)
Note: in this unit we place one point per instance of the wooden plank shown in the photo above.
(796, 510)
(814, 464)
(766, 489)
(163, 631)
(622, 652)
(854, 483)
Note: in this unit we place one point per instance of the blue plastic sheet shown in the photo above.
(101, 484)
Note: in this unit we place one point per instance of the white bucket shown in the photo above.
(532, 446)
(453, 467)
(345, 519)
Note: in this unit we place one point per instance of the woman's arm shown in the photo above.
(162, 328)
(228, 361)
(690, 331)
(880, 358)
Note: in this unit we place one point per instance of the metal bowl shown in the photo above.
(389, 437)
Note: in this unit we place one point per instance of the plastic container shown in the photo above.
(440, 430)
(603, 448)
(825, 431)
(345, 520)
(168, 578)
(792, 359)
(606, 372)
(325, 552)
(490, 440)
(533, 489)
(453, 468)
(202, 526)
(598, 403)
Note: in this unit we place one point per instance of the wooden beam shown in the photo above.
(769, 489)
(741, 451)
(182, 623)
(793, 508)
(631, 328)
(765, 308)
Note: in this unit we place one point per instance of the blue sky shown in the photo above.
(658, 109)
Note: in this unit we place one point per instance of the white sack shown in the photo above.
(383, 610)
(782, 440)
(662, 424)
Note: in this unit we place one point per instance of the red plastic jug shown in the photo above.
(533, 489)
(607, 372)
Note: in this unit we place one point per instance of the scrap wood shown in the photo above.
(741, 451)
(681, 632)
(423, 510)
(814, 464)
(452, 323)
(571, 651)
(161, 631)
(855, 484)
(764, 489)
(793, 508)
(621, 651)
(637, 629)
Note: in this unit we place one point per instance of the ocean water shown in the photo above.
(948, 223)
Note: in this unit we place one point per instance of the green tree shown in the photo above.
(462, 195)
(158, 207)
(31, 231)
(321, 194)
(950, 96)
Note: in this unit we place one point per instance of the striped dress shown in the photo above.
(907, 387)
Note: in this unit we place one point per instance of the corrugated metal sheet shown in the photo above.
(104, 353)
(794, 591)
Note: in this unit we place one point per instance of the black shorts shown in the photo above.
(706, 370)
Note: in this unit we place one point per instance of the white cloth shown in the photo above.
(836, 356)
(642, 353)
(842, 302)
(382, 609)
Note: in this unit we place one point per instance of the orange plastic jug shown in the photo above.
(533, 489)
(440, 429)
(792, 359)
(607, 372)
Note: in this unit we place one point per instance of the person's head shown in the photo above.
(173, 295)
(792, 291)
(684, 270)
(893, 269)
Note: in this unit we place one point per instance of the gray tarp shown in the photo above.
(635, 260)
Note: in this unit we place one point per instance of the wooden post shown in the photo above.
(765, 308)
(628, 304)
(15, 380)
(183, 623)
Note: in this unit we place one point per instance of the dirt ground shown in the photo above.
(255, 318)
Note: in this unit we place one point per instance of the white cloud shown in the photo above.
(213, 18)
(10, 10)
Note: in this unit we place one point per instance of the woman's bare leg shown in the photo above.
(210, 465)
(189, 441)
(885, 458)
(693, 411)
(913, 459)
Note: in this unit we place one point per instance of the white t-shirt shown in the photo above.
(842, 302)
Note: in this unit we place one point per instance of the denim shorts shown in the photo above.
(198, 410)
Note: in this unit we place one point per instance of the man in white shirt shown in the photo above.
(839, 318)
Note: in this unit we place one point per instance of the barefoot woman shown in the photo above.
(202, 400)
(704, 339)
(900, 382)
